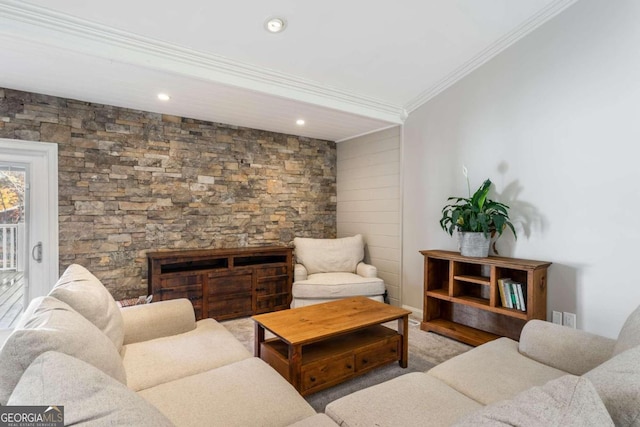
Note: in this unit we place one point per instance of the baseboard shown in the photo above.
(416, 313)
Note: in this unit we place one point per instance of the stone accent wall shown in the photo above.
(133, 181)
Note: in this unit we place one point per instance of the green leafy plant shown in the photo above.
(476, 213)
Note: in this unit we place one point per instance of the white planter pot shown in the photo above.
(474, 244)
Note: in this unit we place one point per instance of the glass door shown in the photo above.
(29, 219)
(13, 248)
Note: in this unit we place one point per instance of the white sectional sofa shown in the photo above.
(154, 365)
(143, 365)
(555, 376)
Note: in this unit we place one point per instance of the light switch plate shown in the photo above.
(569, 319)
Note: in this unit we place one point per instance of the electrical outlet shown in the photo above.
(569, 319)
(557, 317)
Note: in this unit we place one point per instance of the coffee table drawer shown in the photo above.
(318, 374)
(378, 354)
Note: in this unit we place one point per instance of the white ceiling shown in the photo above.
(346, 67)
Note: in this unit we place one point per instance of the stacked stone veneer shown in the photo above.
(133, 181)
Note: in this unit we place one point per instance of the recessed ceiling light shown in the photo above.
(275, 25)
(300, 122)
(163, 97)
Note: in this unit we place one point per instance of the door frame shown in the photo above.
(45, 154)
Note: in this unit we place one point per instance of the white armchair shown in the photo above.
(330, 269)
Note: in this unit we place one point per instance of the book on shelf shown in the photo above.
(521, 296)
(512, 294)
(516, 297)
(504, 299)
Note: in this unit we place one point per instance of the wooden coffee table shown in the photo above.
(321, 345)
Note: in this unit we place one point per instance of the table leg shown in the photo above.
(295, 366)
(403, 330)
(259, 338)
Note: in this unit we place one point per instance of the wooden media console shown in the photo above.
(224, 283)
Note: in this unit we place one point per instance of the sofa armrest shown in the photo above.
(156, 320)
(299, 273)
(366, 270)
(570, 350)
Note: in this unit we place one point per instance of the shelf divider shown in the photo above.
(480, 280)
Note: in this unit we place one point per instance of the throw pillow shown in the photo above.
(88, 395)
(329, 255)
(128, 302)
(565, 401)
(618, 383)
(86, 294)
(53, 325)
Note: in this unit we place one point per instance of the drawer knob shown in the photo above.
(349, 366)
(312, 379)
(393, 350)
(365, 361)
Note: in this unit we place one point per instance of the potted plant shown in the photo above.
(476, 219)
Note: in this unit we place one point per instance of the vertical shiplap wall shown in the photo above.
(368, 190)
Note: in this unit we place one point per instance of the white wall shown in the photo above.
(554, 121)
(368, 191)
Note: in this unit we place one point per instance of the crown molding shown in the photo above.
(99, 40)
(360, 135)
(548, 12)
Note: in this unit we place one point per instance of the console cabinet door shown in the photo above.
(272, 288)
(229, 294)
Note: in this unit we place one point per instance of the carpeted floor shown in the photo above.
(425, 351)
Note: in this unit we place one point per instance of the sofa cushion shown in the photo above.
(49, 324)
(566, 401)
(168, 317)
(153, 362)
(414, 399)
(88, 395)
(618, 384)
(337, 285)
(329, 255)
(629, 335)
(245, 393)
(86, 294)
(494, 371)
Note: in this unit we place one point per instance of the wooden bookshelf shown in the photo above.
(462, 298)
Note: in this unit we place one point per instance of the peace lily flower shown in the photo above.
(465, 172)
